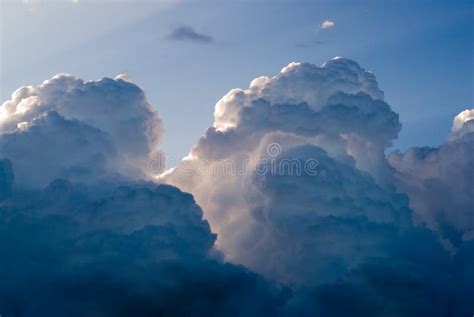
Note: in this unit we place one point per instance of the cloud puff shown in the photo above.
(463, 123)
(327, 25)
(186, 33)
(66, 127)
(336, 237)
(439, 181)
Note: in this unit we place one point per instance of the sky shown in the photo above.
(186, 55)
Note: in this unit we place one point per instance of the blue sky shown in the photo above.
(421, 54)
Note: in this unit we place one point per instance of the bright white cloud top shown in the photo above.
(460, 122)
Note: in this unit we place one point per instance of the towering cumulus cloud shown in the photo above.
(83, 234)
(293, 178)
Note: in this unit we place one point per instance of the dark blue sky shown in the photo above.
(186, 55)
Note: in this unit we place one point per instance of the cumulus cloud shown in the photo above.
(82, 233)
(338, 107)
(186, 33)
(337, 236)
(66, 127)
(327, 25)
(439, 181)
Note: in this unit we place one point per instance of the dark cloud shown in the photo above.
(137, 249)
(187, 33)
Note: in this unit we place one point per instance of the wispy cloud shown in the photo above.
(186, 33)
(327, 25)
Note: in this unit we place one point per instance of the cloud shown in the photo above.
(66, 127)
(326, 106)
(82, 231)
(327, 25)
(6, 178)
(343, 239)
(85, 230)
(139, 248)
(186, 33)
(439, 181)
(124, 77)
(462, 123)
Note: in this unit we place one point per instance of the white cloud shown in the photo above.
(327, 25)
(326, 106)
(461, 119)
(108, 121)
(124, 77)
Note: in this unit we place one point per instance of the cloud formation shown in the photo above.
(337, 237)
(186, 33)
(66, 127)
(82, 233)
(85, 230)
(327, 25)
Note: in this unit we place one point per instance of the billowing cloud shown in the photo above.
(329, 106)
(186, 33)
(439, 181)
(66, 127)
(83, 234)
(338, 232)
(293, 183)
(327, 25)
